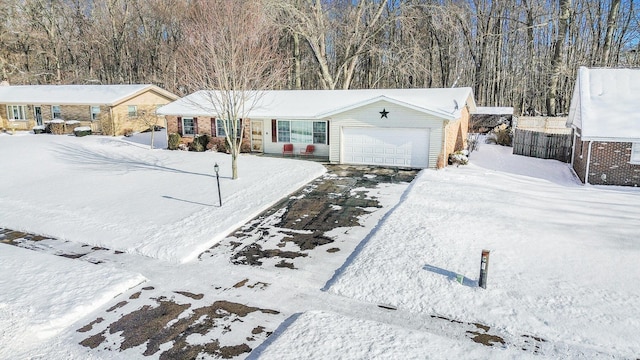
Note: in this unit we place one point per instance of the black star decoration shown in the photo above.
(383, 113)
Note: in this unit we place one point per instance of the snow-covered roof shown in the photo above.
(605, 104)
(495, 110)
(315, 104)
(74, 94)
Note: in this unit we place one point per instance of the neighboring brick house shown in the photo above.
(108, 109)
(410, 128)
(604, 115)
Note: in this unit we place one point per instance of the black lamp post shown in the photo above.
(216, 168)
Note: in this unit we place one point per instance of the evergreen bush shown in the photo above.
(174, 141)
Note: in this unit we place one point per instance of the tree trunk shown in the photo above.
(611, 25)
(556, 61)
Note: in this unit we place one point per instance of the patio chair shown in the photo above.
(287, 149)
(308, 151)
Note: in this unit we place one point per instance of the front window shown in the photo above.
(133, 110)
(16, 112)
(302, 132)
(55, 112)
(635, 153)
(188, 127)
(220, 128)
(95, 112)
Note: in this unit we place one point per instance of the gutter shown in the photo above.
(586, 175)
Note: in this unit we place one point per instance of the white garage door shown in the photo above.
(386, 147)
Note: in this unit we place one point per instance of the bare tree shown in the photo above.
(556, 60)
(235, 60)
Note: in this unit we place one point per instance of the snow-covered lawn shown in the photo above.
(118, 194)
(563, 266)
(564, 261)
(42, 294)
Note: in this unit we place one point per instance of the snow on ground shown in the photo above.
(325, 335)
(118, 194)
(43, 294)
(564, 257)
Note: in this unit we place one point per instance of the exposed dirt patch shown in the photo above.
(148, 288)
(333, 250)
(72, 256)
(155, 326)
(89, 326)
(252, 254)
(486, 339)
(260, 285)
(483, 327)
(190, 295)
(285, 264)
(135, 296)
(117, 306)
(240, 284)
(94, 341)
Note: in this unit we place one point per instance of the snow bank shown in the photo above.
(563, 263)
(43, 294)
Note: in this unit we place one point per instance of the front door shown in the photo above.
(37, 112)
(256, 136)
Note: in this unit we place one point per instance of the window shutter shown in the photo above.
(274, 130)
(195, 126)
(328, 132)
(180, 125)
(213, 127)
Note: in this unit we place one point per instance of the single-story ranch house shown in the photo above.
(104, 108)
(414, 128)
(604, 116)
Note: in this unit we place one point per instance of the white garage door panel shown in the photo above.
(386, 146)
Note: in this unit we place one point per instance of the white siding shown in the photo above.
(398, 117)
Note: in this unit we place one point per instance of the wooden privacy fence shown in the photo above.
(542, 145)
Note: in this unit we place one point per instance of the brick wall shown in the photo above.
(580, 157)
(204, 125)
(609, 165)
(455, 133)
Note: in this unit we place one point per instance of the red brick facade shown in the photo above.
(205, 125)
(609, 163)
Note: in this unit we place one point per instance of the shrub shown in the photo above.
(57, 127)
(459, 157)
(245, 147)
(501, 135)
(174, 141)
(218, 144)
(81, 131)
(199, 143)
(127, 132)
(38, 129)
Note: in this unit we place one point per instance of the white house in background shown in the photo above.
(604, 114)
(414, 128)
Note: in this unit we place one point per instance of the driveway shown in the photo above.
(227, 303)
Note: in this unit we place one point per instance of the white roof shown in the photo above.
(495, 110)
(73, 94)
(605, 104)
(316, 104)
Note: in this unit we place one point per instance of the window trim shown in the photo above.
(193, 126)
(313, 132)
(135, 113)
(635, 153)
(220, 128)
(22, 112)
(53, 112)
(91, 113)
